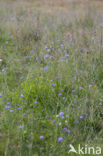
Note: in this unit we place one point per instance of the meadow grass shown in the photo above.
(51, 76)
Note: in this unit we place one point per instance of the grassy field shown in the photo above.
(51, 77)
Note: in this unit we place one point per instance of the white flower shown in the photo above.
(66, 121)
(0, 60)
(57, 116)
(59, 123)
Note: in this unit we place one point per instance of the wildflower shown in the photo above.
(80, 88)
(46, 56)
(60, 139)
(7, 107)
(62, 46)
(46, 47)
(61, 114)
(8, 103)
(41, 137)
(36, 102)
(0, 60)
(66, 130)
(18, 108)
(66, 55)
(64, 98)
(100, 104)
(6, 42)
(66, 121)
(20, 127)
(31, 51)
(22, 95)
(0, 95)
(60, 123)
(57, 116)
(59, 94)
(81, 117)
(73, 91)
(92, 38)
(3, 70)
(11, 111)
(67, 116)
(59, 50)
(11, 37)
(75, 101)
(45, 69)
(24, 114)
(54, 85)
(31, 77)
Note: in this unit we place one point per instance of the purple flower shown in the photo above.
(75, 101)
(73, 91)
(20, 127)
(46, 47)
(59, 50)
(3, 70)
(60, 139)
(31, 51)
(18, 108)
(11, 111)
(0, 95)
(66, 55)
(80, 88)
(11, 37)
(62, 46)
(100, 103)
(46, 56)
(64, 98)
(81, 117)
(6, 42)
(7, 107)
(67, 116)
(45, 69)
(59, 94)
(61, 114)
(24, 114)
(41, 137)
(36, 102)
(31, 77)
(8, 103)
(92, 38)
(66, 130)
(22, 95)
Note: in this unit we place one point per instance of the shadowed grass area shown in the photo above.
(51, 77)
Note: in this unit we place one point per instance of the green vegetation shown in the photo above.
(51, 77)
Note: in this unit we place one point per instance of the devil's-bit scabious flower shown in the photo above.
(60, 139)
(41, 137)
(22, 95)
(20, 127)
